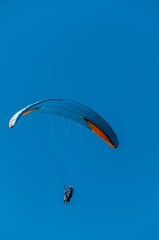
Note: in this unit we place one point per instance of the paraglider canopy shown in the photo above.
(73, 111)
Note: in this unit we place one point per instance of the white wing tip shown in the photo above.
(12, 122)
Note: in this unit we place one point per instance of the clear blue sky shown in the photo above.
(104, 54)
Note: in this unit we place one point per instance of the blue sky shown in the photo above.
(103, 54)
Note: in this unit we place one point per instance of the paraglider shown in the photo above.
(76, 112)
(68, 192)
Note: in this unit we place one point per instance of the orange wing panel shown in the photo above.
(29, 111)
(100, 133)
